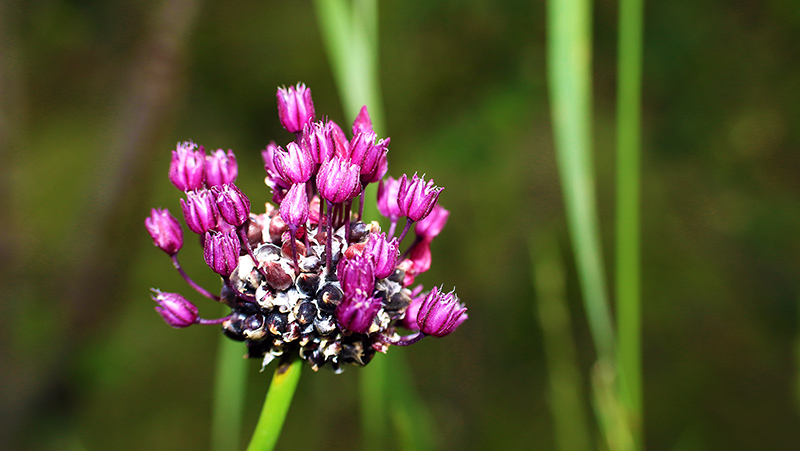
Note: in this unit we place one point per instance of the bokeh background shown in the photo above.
(94, 94)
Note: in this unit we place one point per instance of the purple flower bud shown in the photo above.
(337, 180)
(380, 171)
(341, 145)
(363, 123)
(294, 164)
(367, 154)
(165, 230)
(277, 184)
(175, 309)
(295, 107)
(440, 314)
(318, 141)
(187, 168)
(233, 205)
(416, 198)
(387, 198)
(294, 207)
(200, 211)
(429, 227)
(221, 168)
(357, 273)
(221, 251)
(356, 312)
(382, 253)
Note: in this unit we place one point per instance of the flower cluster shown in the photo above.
(309, 277)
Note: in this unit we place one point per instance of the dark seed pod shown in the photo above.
(397, 304)
(397, 276)
(305, 312)
(234, 326)
(255, 327)
(307, 284)
(359, 231)
(276, 323)
(329, 296)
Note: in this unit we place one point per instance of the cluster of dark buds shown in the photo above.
(309, 278)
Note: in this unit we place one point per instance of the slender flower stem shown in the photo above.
(276, 405)
(245, 296)
(191, 282)
(246, 246)
(212, 321)
(329, 237)
(408, 340)
(392, 228)
(293, 232)
(405, 230)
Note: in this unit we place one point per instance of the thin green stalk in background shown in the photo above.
(229, 389)
(629, 365)
(276, 405)
(566, 398)
(569, 50)
(350, 34)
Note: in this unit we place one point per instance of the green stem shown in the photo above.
(276, 405)
(569, 50)
(627, 233)
(229, 390)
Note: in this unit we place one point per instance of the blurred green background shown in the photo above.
(94, 94)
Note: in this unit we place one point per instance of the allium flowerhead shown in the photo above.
(221, 168)
(175, 309)
(165, 230)
(383, 253)
(368, 154)
(294, 164)
(356, 312)
(415, 198)
(200, 211)
(294, 207)
(430, 226)
(187, 168)
(221, 251)
(387, 198)
(233, 205)
(440, 314)
(338, 180)
(295, 107)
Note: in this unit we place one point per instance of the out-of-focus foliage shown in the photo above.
(93, 95)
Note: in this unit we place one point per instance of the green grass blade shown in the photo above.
(569, 72)
(276, 405)
(229, 389)
(628, 233)
(566, 398)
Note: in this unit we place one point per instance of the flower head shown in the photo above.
(165, 230)
(295, 107)
(308, 276)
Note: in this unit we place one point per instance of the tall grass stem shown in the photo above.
(629, 365)
(569, 50)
